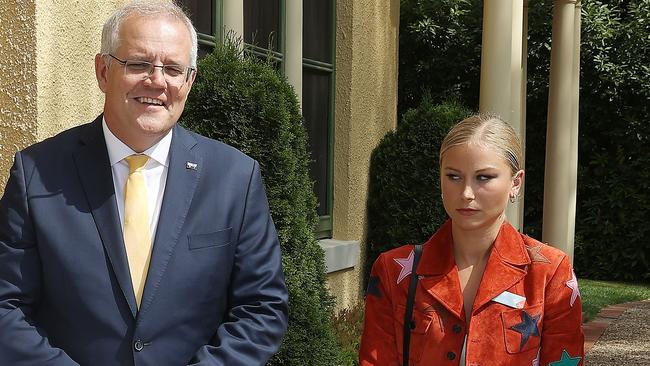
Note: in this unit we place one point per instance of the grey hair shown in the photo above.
(111, 30)
(490, 131)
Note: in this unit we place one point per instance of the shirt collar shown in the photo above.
(117, 150)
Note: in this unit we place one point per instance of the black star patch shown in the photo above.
(527, 327)
(373, 287)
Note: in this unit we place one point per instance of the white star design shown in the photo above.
(573, 285)
(406, 264)
(536, 360)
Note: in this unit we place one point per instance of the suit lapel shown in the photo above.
(94, 170)
(179, 191)
(505, 267)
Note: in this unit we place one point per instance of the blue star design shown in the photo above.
(566, 360)
(527, 327)
(373, 287)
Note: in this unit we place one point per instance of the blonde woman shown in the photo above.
(483, 293)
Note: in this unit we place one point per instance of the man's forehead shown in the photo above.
(139, 20)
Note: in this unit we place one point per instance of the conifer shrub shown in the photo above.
(404, 204)
(245, 103)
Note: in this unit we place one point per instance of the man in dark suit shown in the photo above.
(131, 241)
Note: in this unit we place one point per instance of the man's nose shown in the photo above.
(157, 77)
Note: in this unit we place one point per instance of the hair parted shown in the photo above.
(488, 130)
(111, 29)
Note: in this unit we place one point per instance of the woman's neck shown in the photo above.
(472, 247)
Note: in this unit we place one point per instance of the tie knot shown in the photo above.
(136, 162)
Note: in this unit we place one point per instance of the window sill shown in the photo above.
(340, 254)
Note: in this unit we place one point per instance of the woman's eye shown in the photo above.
(484, 178)
(453, 177)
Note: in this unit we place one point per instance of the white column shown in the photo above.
(293, 42)
(502, 81)
(233, 17)
(561, 136)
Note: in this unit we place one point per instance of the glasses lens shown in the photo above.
(174, 74)
(138, 68)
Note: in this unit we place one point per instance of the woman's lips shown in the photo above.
(467, 211)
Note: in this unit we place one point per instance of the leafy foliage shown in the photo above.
(612, 237)
(404, 203)
(440, 51)
(245, 103)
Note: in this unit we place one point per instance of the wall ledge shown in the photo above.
(340, 254)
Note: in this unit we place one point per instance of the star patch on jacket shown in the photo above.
(573, 285)
(535, 254)
(373, 287)
(528, 327)
(566, 360)
(406, 264)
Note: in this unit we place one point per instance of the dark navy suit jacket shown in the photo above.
(214, 295)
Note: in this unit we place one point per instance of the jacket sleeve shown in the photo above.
(257, 320)
(562, 336)
(22, 342)
(378, 342)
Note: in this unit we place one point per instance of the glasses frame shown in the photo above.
(188, 69)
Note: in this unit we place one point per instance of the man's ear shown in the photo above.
(517, 183)
(101, 71)
(192, 78)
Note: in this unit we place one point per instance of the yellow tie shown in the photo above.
(137, 236)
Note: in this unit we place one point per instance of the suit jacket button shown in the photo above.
(138, 345)
(451, 355)
(457, 328)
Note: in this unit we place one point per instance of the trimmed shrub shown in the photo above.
(243, 102)
(404, 204)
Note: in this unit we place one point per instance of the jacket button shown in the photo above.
(451, 355)
(457, 328)
(138, 345)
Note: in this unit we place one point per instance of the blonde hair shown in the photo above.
(489, 131)
(148, 8)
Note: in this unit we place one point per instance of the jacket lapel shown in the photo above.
(439, 272)
(182, 181)
(506, 266)
(94, 170)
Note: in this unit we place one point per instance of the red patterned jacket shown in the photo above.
(527, 310)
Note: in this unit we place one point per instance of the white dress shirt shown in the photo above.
(155, 173)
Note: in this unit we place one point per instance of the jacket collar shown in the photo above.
(506, 265)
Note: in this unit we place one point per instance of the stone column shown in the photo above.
(562, 131)
(293, 51)
(502, 90)
(233, 17)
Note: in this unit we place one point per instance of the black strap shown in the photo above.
(408, 314)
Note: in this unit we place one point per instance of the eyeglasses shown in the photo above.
(174, 74)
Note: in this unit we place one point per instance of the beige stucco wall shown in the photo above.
(47, 78)
(366, 105)
(17, 80)
(68, 37)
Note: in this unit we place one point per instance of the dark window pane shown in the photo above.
(262, 23)
(200, 11)
(204, 50)
(317, 30)
(316, 110)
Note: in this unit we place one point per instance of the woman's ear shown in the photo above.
(517, 183)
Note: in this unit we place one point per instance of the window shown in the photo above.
(264, 35)
(318, 101)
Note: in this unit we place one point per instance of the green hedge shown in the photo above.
(243, 102)
(404, 204)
